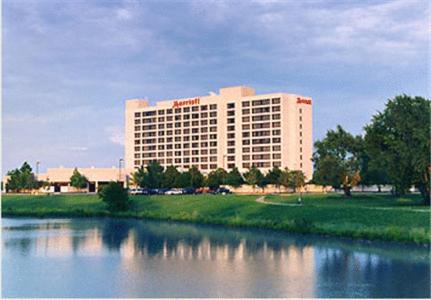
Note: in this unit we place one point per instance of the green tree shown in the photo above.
(139, 176)
(296, 180)
(234, 178)
(284, 178)
(216, 178)
(115, 196)
(183, 180)
(170, 177)
(273, 176)
(337, 160)
(373, 172)
(399, 138)
(196, 177)
(22, 179)
(254, 177)
(78, 180)
(154, 175)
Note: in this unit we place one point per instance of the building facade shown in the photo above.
(235, 128)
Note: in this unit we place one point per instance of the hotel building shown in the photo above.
(235, 128)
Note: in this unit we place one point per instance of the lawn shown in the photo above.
(366, 216)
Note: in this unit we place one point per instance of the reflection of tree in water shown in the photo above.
(115, 232)
(346, 270)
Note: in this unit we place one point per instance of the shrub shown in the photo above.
(115, 196)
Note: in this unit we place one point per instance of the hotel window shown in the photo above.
(195, 159)
(300, 118)
(186, 117)
(276, 140)
(186, 124)
(231, 143)
(161, 154)
(204, 159)
(230, 166)
(246, 104)
(230, 128)
(276, 124)
(204, 167)
(300, 133)
(195, 116)
(204, 144)
(246, 157)
(276, 164)
(246, 119)
(230, 120)
(213, 136)
(246, 165)
(212, 167)
(178, 124)
(300, 142)
(169, 111)
(177, 139)
(245, 126)
(276, 108)
(245, 134)
(195, 108)
(137, 114)
(275, 100)
(204, 137)
(137, 135)
(204, 152)
(246, 142)
(137, 128)
(137, 148)
(300, 157)
(204, 122)
(213, 129)
(300, 149)
(276, 156)
(177, 131)
(195, 152)
(231, 150)
(276, 148)
(195, 123)
(213, 158)
(160, 112)
(300, 165)
(213, 121)
(231, 135)
(137, 155)
(137, 121)
(231, 105)
(177, 117)
(300, 110)
(246, 111)
(213, 144)
(204, 115)
(245, 150)
(161, 119)
(161, 126)
(177, 160)
(276, 132)
(276, 117)
(213, 151)
(213, 106)
(137, 162)
(213, 114)
(161, 147)
(231, 158)
(231, 113)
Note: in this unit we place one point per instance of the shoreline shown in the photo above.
(106, 214)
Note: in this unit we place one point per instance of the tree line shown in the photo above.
(395, 150)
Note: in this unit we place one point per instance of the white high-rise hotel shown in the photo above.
(233, 128)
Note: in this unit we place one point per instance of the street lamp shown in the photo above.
(119, 168)
(37, 169)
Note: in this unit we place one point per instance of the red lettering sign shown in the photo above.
(179, 103)
(303, 101)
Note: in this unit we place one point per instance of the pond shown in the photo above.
(102, 257)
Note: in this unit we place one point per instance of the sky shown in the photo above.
(69, 66)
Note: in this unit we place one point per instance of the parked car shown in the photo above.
(202, 190)
(162, 191)
(221, 190)
(136, 191)
(189, 191)
(174, 192)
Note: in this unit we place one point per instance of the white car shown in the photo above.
(137, 191)
(174, 192)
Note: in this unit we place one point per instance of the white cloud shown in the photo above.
(115, 135)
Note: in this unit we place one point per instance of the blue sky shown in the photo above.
(68, 66)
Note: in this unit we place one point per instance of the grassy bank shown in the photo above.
(363, 216)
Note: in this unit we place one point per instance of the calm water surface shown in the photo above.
(132, 258)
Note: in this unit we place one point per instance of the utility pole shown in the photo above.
(37, 169)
